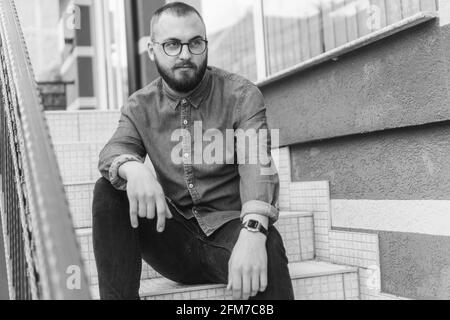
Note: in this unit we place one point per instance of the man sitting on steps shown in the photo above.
(205, 217)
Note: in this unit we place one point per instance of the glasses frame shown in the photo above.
(163, 45)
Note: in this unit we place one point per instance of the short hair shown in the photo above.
(180, 9)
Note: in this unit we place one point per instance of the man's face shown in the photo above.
(185, 71)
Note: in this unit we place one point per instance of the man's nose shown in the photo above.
(185, 53)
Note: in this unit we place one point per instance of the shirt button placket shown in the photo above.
(185, 118)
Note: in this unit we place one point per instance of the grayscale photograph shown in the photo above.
(240, 150)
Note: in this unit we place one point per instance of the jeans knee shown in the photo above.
(105, 196)
(104, 189)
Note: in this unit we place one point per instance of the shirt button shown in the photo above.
(186, 155)
(184, 101)
(191, 186)
(195, 211)
(185, 122)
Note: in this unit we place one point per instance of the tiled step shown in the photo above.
(82, 126)
(78, 161)
(80, 197)
(296, 230)
(87, 252)
(312, 280)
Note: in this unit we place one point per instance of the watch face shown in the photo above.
(253, 224)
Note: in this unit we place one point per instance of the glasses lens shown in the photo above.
(172, 48)
(197, 46)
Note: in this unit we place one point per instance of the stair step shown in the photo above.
(312, 280)
(296, 229)
(82, 126)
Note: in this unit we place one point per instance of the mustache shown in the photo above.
(185, 65)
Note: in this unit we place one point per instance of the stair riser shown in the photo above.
(80, 199)
(332, 287)
(87, 253)
(297, 233)
(78, 162)
(82, 126)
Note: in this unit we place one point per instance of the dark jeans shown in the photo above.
(181, 253)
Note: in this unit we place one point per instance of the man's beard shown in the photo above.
(186, 83)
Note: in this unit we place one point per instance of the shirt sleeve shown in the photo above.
(259, 183)
(125, 145)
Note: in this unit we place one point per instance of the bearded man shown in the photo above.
(194, 223)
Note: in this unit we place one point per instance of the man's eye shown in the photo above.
(196, 43)
(172, 45)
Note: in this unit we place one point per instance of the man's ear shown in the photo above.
(151, 52)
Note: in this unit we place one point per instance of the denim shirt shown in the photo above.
(174, 131)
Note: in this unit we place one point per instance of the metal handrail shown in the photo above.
(46, 246)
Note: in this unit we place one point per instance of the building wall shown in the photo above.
(79, 55)
(376, 124)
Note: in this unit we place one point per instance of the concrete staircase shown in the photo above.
(304, 223)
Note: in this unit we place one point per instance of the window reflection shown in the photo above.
(231, 35)
(296, 31)
(39, 22)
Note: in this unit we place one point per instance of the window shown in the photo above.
(111, 54)
(231, 34)
(296, 31)
(258, 38)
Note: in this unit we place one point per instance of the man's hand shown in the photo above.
(247, 267)
(145, 194)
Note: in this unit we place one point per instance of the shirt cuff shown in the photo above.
(262, 208)
(116, 181)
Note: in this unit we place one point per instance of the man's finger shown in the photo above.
(263, 281)
(142, 208)
(150, 210)
(246, 286)
(169, 214)
(237, 285)
(134, 213)
(229, 286)
(255, 283)
(161, 213)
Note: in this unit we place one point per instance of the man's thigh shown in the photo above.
(218, 251)
(174, 253)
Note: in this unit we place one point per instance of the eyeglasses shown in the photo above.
(174, 47)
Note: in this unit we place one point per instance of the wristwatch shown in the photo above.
(255, 226)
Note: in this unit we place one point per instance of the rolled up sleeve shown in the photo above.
(259, 181)
(125, 145)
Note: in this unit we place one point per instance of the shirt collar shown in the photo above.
(195, 97)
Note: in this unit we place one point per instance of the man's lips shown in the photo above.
(185, 67)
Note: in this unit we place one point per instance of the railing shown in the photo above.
(43, 259)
